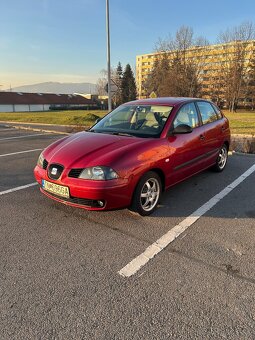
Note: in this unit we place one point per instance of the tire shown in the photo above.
(221, 159)
(147, 194)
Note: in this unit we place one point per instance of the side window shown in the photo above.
(187, 115)
(217, 110)
(208, 114)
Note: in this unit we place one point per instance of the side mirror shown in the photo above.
(181, 129)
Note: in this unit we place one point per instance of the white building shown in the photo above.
(26, 102)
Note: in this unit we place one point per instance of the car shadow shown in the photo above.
(186, 197)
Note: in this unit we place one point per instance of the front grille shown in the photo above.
(75, 173)
(45, 164)
(55, 171)
(81, 201)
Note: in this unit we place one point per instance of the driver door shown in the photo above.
(187, 149)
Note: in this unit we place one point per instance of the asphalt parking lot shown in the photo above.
(60, 267)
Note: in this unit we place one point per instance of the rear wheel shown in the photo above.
(147, 194)
(221, 159)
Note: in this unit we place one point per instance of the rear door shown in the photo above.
(213, 130)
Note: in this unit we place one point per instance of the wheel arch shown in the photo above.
(227, 144)
(158, 171)
(161, 175)
(136, 203)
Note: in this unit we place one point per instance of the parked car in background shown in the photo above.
(134, 153)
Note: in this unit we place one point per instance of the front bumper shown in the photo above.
(88, 194)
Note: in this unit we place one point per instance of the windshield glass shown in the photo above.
(136, 120)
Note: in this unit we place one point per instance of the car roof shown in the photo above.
(172, 101)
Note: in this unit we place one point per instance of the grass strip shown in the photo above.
(241, 122)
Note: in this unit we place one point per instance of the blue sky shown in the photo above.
(65, 41)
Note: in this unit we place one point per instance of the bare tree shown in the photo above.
(163, 45)
(243, 32)
(216, 86)
(101, 83)
(180, 68)
(174, 73)
(201, 41)
(159, 80)
(183, 38)
(236, 67)
(250, 84)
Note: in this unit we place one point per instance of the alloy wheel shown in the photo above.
(222, 157)
(150, 194)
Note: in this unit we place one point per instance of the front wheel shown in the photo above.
(221, 159)
(147, 194)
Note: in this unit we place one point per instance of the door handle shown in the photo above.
(202, 137)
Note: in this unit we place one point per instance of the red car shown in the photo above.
(134, 153)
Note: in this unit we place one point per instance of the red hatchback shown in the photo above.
(134, 153)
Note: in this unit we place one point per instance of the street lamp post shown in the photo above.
(108, 56)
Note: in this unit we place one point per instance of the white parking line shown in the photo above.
(137, 263)
(19, 152)
(7, 129)
(18, 188)
(38, 134)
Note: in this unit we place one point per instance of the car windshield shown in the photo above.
(135, 120)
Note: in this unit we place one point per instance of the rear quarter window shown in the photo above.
(218, 111)
(207, 112)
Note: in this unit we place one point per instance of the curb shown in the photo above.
(237, 153)
(38, 130)
(28, 123)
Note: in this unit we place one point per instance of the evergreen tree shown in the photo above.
(118, 82)
(128, 85)
(119, 70)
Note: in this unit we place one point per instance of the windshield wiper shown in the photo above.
(112, 133)
(95, 131)
(121, 134)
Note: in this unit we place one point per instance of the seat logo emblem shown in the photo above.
(54, 171)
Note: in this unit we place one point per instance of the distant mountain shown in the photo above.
(54, 87)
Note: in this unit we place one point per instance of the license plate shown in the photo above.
(56, 189)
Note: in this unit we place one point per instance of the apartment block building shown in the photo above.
(210, 61)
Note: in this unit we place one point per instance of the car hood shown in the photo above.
(89, 149)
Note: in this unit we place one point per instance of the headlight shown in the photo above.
(98, 173)
(40, 160)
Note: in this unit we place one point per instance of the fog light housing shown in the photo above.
(100, 203)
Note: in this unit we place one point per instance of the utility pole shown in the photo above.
(108, 56)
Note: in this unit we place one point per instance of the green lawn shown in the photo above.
(76, 117)
(241, 122)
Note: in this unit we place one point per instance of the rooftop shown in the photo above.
(21, 98)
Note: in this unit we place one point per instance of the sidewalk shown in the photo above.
(243, 143)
